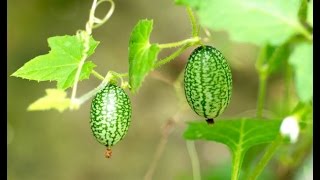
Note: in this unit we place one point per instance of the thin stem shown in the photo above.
(272, 148)
(119, 75)
(93, 22)
(305, 33)
(194, 160)
(91, 93)
(288, 78)
(195, 30)
(97, 75)
(166, 131)
(85, 38)
(171, 57)
(179, 43)
(262, 94)
(160, 148)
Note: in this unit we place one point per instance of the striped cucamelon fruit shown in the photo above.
(207, 82)
(110, 116)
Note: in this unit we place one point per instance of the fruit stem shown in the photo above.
(91, 93)
(195, 29)
(179, 43)
(171, 57)
(97, 75)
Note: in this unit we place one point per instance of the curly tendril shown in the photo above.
(84, 36)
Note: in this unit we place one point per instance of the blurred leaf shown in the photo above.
(254, 21)
(301, 60)
(271, 58)
(279, 56)
(60, 64)
(252, 156)
(142, 54)
(55, 99)
(303, 10)
(310, 13)
(305, 171)
(304, 111)
(223, 172)
(237, 134)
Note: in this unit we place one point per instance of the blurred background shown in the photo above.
(51, 145)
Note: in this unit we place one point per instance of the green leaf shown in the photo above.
(61, 63)
(253, 21)
(142, 54)
(303, 10)
(310, 13)
(238, 135)
(279, 56)
(55, 99)
(301, 60)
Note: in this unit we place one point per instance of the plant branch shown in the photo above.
(262, 69)
(167, 129)
(261, 94)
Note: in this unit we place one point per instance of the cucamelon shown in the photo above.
(207, 82)
(110, 116)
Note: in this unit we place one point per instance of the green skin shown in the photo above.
(110, 115)
(207, 82)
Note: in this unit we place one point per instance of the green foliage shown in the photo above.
(142, 54)
(60, 64)
(272, 58)
(254, 21)
(310, 13)
(303, 10)
(274, 25)
(301, 60)
(238, 134)
(55, 99)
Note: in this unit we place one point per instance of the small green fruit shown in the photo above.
(110, 115)
(207, 82)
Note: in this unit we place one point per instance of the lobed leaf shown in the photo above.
(55, 99)
(60, 64)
